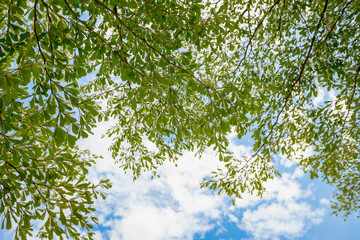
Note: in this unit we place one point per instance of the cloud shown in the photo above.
(174, 207)
(274, 220)
(284, 212)
(320, 97)
(171, 207)
(297, 155)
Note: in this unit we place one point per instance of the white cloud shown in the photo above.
(274, 220)
(174, 206)
(296, 155)
(284, 211)
(320, 97)
(325, 202)
(155, 223)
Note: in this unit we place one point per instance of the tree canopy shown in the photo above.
(183, 75)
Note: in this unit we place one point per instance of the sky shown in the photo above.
(174, 207)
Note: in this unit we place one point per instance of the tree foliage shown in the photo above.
(183, 75)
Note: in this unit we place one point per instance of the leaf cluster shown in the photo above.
(181, 75)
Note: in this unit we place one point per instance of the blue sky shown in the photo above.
(174, 207)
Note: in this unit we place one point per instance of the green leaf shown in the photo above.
(8, 222)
